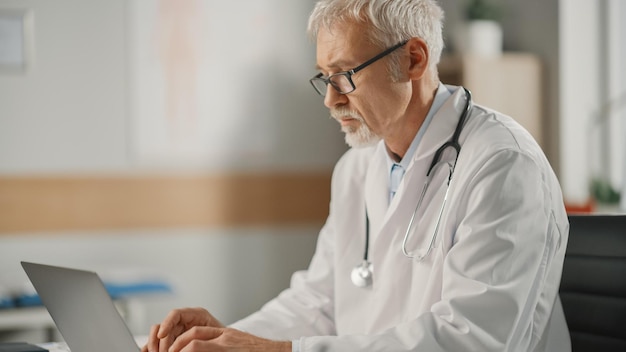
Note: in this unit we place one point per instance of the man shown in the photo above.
(449, 210)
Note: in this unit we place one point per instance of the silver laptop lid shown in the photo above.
(81, 309)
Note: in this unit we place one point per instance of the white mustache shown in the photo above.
(339, 113)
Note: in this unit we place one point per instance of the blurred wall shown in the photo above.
(80, 106)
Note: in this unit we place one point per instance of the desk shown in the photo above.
(54, 347)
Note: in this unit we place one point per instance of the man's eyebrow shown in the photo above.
(339, 66)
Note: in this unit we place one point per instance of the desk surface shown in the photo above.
(54, 347)
(62, 347)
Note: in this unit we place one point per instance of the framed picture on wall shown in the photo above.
(15, 40)
(221, 85)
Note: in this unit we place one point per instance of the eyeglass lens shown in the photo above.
(340, 81)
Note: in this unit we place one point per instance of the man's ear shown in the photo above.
(418, 58)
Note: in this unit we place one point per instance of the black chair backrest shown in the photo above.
(593, 285)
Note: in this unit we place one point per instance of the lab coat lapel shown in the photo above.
(442, 126)
(390, 219)
(439, 131)
(376, 190)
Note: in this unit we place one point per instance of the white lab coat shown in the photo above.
(489, 284)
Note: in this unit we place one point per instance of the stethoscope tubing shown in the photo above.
(362, 274)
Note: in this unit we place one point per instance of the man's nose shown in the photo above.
(333, 98)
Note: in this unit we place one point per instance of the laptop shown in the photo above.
(81, 308)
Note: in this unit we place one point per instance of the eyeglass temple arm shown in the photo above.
(377, 57)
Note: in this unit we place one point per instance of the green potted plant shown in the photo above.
(482, 10)
(481, 32)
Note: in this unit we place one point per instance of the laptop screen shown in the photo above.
(81, 308)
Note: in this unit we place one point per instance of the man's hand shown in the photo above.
(196, 330)
(205, 339)
(178, 321)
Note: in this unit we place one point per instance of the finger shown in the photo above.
(153, 341)
(205, 346)
(178, 320)
(186, 318)
(166, 342)
(195, 335)
(171, 320)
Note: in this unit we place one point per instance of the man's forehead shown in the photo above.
(342, 44)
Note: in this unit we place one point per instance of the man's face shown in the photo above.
(367, 114)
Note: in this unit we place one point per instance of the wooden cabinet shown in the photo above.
(510, 84)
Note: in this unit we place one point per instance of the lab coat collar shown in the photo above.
(443, 124)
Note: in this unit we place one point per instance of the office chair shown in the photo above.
(593, 284)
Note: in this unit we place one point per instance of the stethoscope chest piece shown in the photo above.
(362, 274)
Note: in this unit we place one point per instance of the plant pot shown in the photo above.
(481, 38)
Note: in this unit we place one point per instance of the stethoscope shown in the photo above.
(362, 274)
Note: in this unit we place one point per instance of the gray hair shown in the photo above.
(390, 22)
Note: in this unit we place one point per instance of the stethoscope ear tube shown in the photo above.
(454, 141)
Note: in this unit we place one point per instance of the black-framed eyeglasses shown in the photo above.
(342, 81)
